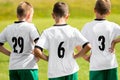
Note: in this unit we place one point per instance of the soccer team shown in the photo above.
(98, 36)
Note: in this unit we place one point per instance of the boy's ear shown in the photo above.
(53, 15)
(28, 16)
(17, 16)
(94, 10)
(109, 12)
(67, 16)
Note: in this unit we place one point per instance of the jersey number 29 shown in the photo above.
(18, 42)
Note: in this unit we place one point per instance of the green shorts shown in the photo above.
(109, 74)
(27, 74)
(68, 77)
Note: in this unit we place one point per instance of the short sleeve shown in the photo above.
(43, 41)
(34, 34)
(80, 39)
(3, 36)
(116, 30)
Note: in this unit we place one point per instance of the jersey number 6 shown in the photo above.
(61, 50)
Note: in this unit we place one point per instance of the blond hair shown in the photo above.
(23, 8)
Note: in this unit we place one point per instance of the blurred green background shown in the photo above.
(81, 11)
(43, 8)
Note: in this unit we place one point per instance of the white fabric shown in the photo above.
(58, 38)
(20, 37)
(101, 58)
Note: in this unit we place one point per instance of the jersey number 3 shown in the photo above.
(18, 42)
(102, 40)
(61, 50)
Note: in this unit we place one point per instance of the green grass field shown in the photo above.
(80, 14)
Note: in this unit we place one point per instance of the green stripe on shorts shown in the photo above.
(27, 74)
(109, 74)
(68, 77)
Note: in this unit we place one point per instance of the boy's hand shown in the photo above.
(74, 55)
(83, 51)
(78, 48)
(111, 49)
(36, 57)
(114, 42)
(87, 57)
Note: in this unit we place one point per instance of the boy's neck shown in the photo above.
(59, 21)
(98, 16)
(21, 19)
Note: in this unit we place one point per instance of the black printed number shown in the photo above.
(102, 40)
(18, 42)
(61, 50)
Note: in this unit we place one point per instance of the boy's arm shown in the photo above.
(86, 57)
(114, 42)
(39, 54)
(78, 48)
(83, 51)
(4, 50)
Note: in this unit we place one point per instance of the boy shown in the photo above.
(101, 33)
(60, 40)
(21, 36)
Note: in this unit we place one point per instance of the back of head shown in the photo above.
(60, 9)
(23, 8)
(103, 6)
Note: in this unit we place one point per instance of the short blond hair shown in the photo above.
(23, 8)
(103, 6)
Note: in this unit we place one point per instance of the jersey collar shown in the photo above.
(100, 19)
(19, 21)
(60, 25)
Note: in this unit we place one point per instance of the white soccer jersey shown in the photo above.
(60, 41)
(20, 37)
(100, 33)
